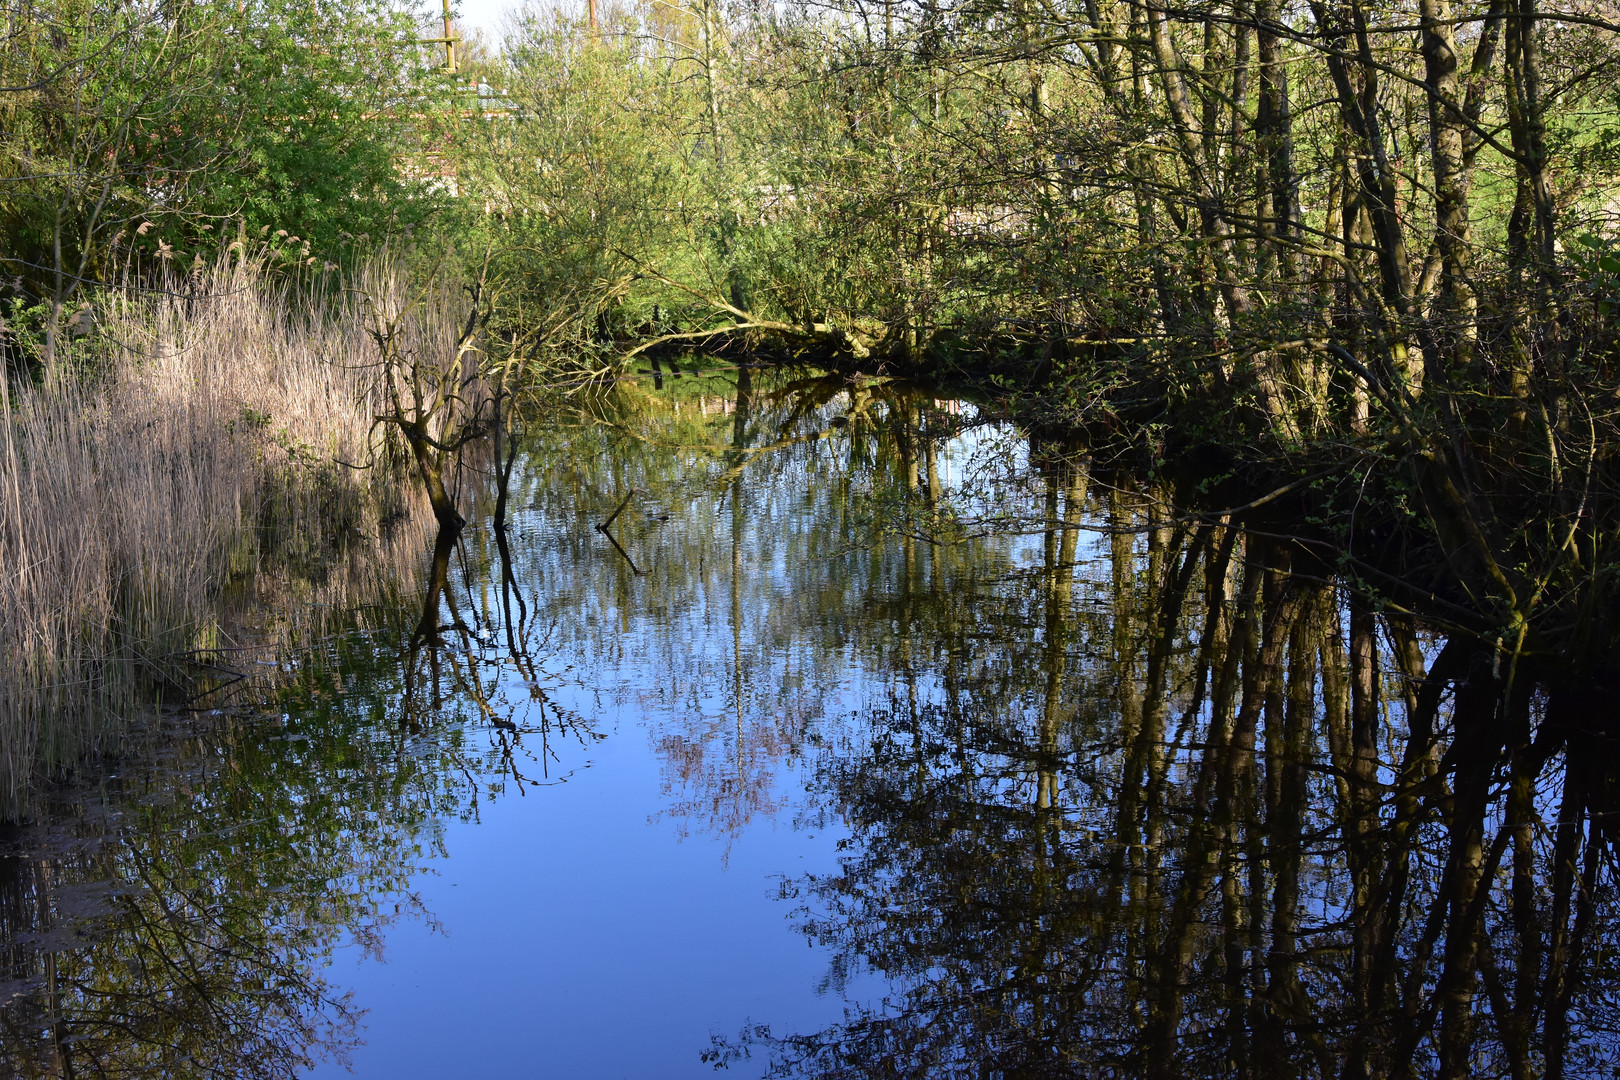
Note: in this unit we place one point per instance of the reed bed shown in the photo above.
(211, 433)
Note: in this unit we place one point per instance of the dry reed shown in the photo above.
(195, 436)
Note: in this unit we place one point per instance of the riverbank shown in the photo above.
(194, 436)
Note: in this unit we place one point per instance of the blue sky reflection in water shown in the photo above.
(641, 893)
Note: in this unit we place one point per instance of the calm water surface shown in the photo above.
(869, 740)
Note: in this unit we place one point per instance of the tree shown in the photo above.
(148, 131)
(100, 107)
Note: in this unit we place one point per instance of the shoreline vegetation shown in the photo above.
(187, 446)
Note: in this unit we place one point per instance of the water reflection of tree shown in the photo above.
(773, 515)
(1248, 826)
(178, 926)
(1173, 800)
(462, 656)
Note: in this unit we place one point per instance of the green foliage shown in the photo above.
(326, 90)
(1597, 262)
(145, 135)
(630, 184)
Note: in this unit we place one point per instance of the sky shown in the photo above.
(486, 15)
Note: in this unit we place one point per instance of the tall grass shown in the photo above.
(191, 437)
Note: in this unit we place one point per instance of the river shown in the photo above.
(871, 737)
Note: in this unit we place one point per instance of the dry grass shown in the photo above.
(188, 440)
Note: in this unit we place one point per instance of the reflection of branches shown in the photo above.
(634, 569)
(724, 779)
(1309, 875)
(158, 956)
(474, 673)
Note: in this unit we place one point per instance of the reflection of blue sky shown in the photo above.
(580, 940)
(611, 923)
(752, 682)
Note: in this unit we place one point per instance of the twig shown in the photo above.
(603, 527)
(633, 567)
